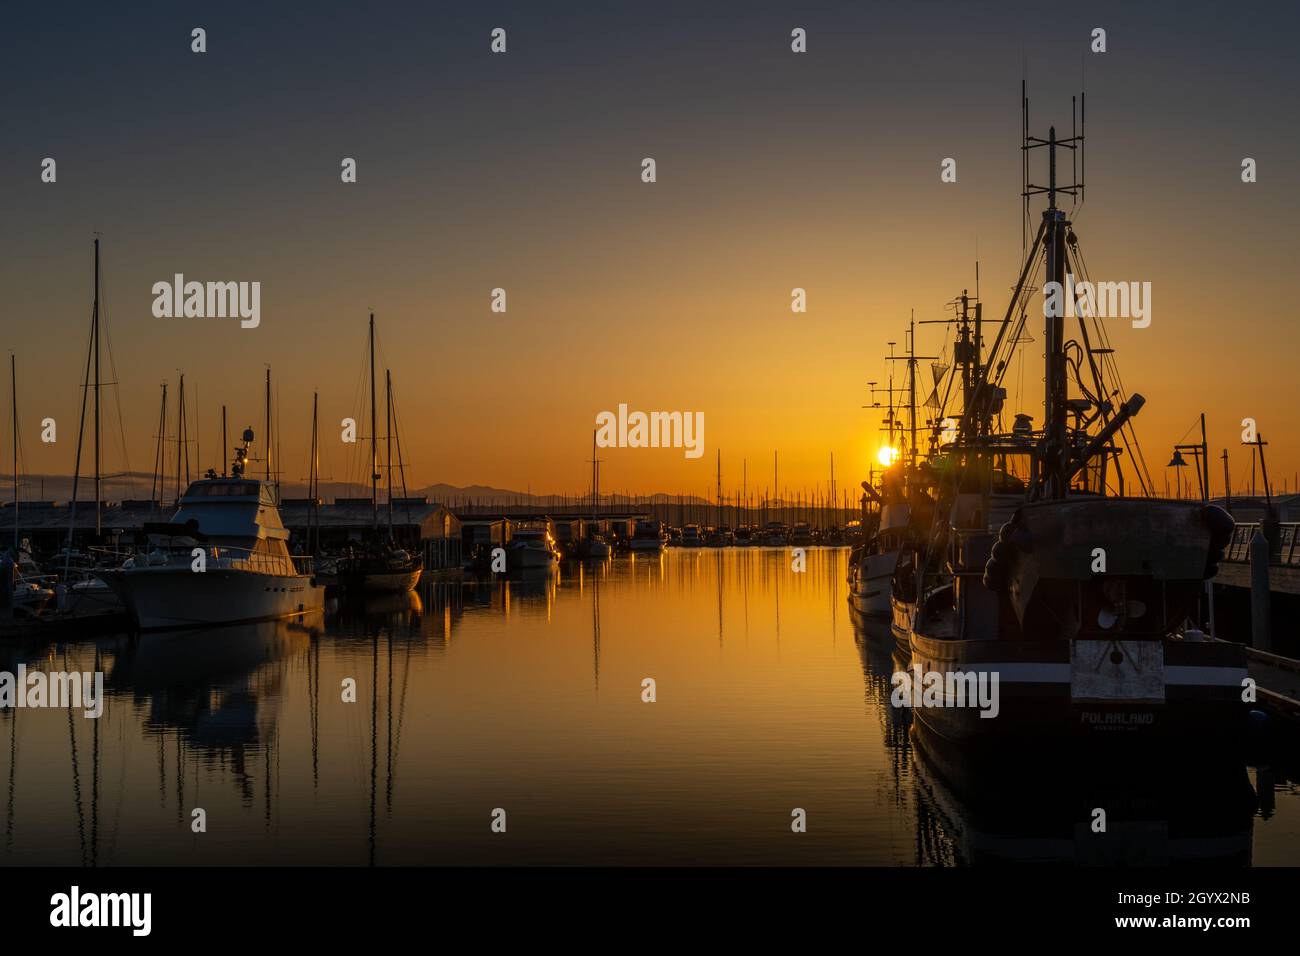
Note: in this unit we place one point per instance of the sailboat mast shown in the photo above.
(13, 379)
(98, 527)
(313, 530)
(224, 449)
(374, 450)
(159, 488)
(388, 440)
(595, 478)
(180, 440)
(831, 499)
(267, 437)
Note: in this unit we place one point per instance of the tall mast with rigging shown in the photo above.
(374, 449)
(595, 478)
(1054, 468)
(13, 379)
(388, 440)
(95, 334)
(313, 481)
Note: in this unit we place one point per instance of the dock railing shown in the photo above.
(1286, 551)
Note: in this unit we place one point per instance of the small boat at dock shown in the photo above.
(531, 547)
(648, 535)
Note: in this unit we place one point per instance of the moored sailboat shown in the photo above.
(378, 564)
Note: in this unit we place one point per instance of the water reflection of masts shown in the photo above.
(392, 738)
(13, 775)
(879, 662)
(719, 553)
(595, 626)
(744, 584)
(778, 600)
(76, 775)
(94, 781)
(313, 706)
(374, 735)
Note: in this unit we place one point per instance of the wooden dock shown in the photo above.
(1277, 680)
(1284, 558)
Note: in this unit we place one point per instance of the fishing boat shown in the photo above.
(871, 569)
(1047, 573)
(531, 547)
(222, 559)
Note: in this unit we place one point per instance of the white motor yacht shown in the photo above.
(222, 559)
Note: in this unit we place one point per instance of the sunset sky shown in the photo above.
(522, 171)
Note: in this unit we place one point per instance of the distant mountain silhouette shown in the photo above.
(138, 485)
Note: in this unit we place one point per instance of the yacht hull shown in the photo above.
(382, 582)
(175, 598)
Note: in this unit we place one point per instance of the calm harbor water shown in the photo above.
(526, 695)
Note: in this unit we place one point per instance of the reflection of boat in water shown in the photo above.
(223, 559)
(882, 657)
(1160, 809)
(218, 687)
(532, 583)
(401, 610)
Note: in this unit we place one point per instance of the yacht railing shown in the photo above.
(223, 557)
